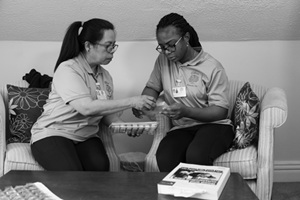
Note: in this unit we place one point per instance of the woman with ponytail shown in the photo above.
(195, 88)
(65, 135)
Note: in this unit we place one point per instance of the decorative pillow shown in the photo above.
(246, 118)
(25, 106)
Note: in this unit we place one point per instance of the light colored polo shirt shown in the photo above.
(73, 79)
(204, 78)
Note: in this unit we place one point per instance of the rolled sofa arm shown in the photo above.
(2, 135)
(164, 125)
(275, 103)
(273, 114)
(106, 137)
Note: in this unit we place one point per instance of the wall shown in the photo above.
(134, 61)
(214, 20)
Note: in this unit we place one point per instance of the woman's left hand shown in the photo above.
(136, 132)
(174, 111)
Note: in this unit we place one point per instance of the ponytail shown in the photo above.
(70, 46)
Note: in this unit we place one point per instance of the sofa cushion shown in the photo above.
(243, 161)
(25, 106)
(245, 118)
(19, 157)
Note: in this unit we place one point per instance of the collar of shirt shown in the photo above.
(199, 58)
(87, 67)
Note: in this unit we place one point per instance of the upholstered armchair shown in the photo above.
(255, 164)
(18, 156)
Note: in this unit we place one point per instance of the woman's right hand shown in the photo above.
(143, 101)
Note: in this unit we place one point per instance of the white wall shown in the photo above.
(214, 20)
(270, 63)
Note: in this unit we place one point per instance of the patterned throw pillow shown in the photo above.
(25, 106)
(245, 118)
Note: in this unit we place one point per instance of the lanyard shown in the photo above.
(98, 85)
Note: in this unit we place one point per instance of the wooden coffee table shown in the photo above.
(113, 185)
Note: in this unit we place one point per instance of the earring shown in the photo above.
(187, 44)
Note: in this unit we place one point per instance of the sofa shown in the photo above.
(18, 156)
(135, 60)
(255, 162)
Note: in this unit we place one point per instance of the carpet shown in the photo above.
(286, 191)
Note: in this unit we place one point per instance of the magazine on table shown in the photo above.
(196, 181)
(34, 191)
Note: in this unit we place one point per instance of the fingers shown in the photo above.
(137, 113)
(132, 134)
(172, 116)
(135, 131)
(150, 102)
(167, 111)
(144, 101)
(171, 113)
(149, 106)
(140, 130)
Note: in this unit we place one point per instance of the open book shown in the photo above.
(197, 181)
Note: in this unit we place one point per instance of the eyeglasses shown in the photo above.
(111, 48)
(170, 48)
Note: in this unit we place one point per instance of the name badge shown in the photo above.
(101, 94)
(179, 92)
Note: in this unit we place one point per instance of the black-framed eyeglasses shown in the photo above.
(169, 48)
(110, 48)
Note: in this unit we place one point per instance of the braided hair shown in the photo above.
(178, 21)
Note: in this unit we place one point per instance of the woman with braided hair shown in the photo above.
(195, 87)
(65, 135)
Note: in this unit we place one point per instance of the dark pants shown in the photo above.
(61, 154)
(200, 144)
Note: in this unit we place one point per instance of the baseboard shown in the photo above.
(287, 171)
